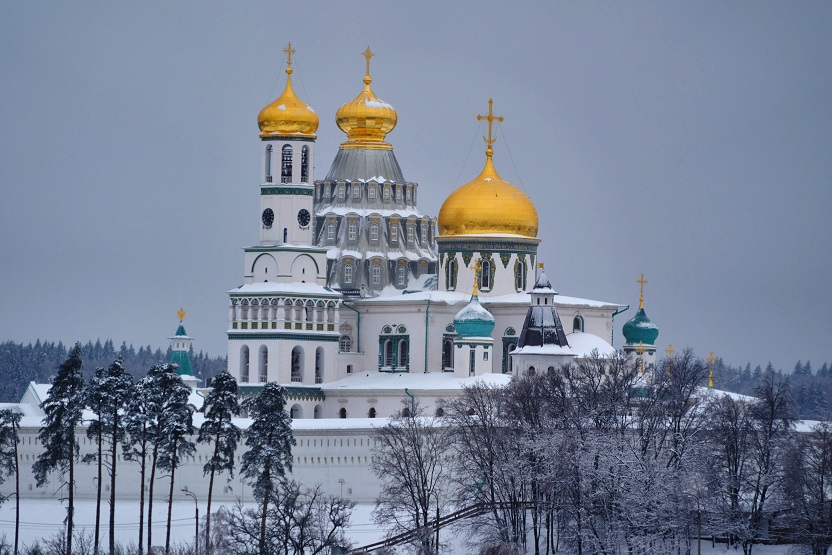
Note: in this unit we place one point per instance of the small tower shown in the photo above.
(180, 352)
(473, 342)
(640, 334)
(542, 344)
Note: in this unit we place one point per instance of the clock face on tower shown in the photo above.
(303, 218)
(268, 218)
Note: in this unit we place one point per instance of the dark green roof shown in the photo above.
(180, 331)
(183, 359)
(640, 329)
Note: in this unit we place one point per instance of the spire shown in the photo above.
(711, 360)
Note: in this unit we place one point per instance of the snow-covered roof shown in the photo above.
(273, 287)
(404, 213)
(549, 349)
(583, 344)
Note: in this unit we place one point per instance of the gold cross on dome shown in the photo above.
(640, 348)
(289, 51)
(368, 54)
(641, 283)
(181, 313)
(490, 117)
(670, 350)
(711, 359)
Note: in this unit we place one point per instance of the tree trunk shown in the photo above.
(150, 502)
(208, 511)
(267, 494)
(98, 492)
(71, 500)
(114, 458)
(170, 497)
(16, 492)
(143, 474)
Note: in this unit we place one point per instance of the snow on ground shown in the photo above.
(40, 519)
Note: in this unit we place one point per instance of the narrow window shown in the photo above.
(286, 166)
(447, 354)
(304, 164)
(371, 192)
(472, 362)
(348, 273)
(485, 275)
(401, 275)
(374, 232)
(450, 276)
(326, 191)
(349, 368)
(330, 231)
(386, 192)
(352, 231)
(409, 233)
(424, 231)
(269, 151)
(341, 191)
(520, 276)
(372, 413)
(388, 353)
(342, 413)
(376, 274)
(356, 191)
(577, 324)
(394, 232)
(407, 194)
(404, 352)
(345, 344)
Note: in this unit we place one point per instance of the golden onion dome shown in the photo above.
(366, 119)
(489, 204)
(288, 115)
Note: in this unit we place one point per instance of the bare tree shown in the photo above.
(410, 460)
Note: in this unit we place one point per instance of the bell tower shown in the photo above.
(287, 144)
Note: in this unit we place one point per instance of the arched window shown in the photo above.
(341, 192)
(342, 413)
(472, 362)
(450, 275)
(371, 192)
(424, 231)
(372, 413)
(304, 164)
(319, 365)
(406, 412)
(330, 231)
(448, 354)
(394, 232)
(347, 273)
(401, 275)
(374, 231)
(410, 234)
(388, 353)
(530, 371)
(520, 276)
(263, 373)
(551, 370)
(244, 360)
(318, 412)
(577, 324)
(376, 274)
(286, 165)
(268, 172)
(345, 344)
(356, 191)
(297, 364)
(440, 412)
(352, 230)
(404, 353)
(296, 412)
(387, 192)
(485, 275)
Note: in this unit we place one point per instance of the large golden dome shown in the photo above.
(288, 115)
(366, 119)
(489, 204)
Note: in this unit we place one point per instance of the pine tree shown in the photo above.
(798, 369)
(142, 417)
(221, 406)
(63, 409)
(94, 394)
(176, 426)
(269, 439)
(9, 462)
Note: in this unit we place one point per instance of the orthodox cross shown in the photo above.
(181, 313)
(368, 54)
(490, 117)
(289, 51)
(670, 350)
(711, 359)
(641, 283)
(477, 270)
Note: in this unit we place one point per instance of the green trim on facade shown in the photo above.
(323, 336)
(295, 191)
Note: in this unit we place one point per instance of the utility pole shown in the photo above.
(196, 518)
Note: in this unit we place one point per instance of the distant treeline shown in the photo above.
(811, 390)
(39, 361)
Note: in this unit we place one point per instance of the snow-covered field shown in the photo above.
(41, 519)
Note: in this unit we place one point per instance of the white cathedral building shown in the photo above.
(363, 307)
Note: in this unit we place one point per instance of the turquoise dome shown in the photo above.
(640, 329)
(474, 320)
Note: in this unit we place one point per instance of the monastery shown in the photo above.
(363, 307)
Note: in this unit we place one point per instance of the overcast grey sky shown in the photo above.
(689, 141)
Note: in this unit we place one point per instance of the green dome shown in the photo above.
(474, 320)
(640, 329)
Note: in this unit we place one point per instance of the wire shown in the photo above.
(519, 177)
(456, 182)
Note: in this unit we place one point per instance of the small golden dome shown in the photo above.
(366, 119)
(288, 115)
(488, 204)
